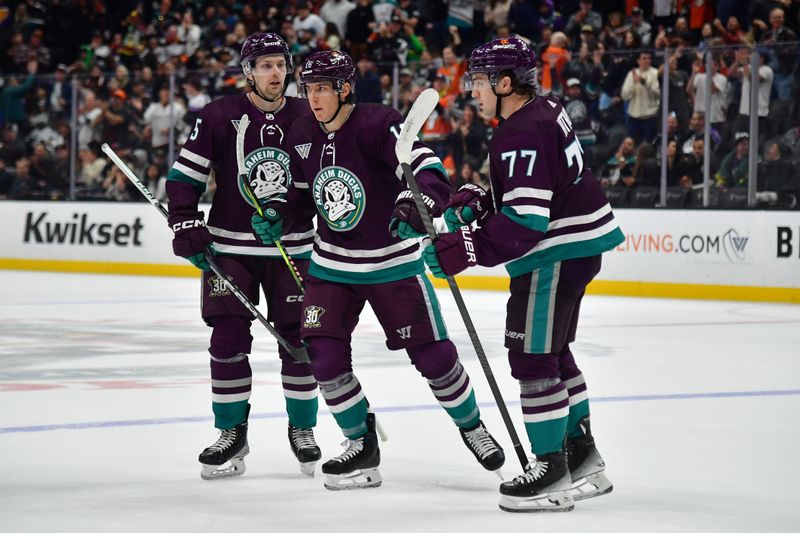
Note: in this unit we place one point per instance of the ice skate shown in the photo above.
(545, 486)
(304, 448)
(357, 466)
(225, 458)
(483, 446)
(586, 466)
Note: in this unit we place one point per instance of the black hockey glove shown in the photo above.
(406, 222)
(191, 237)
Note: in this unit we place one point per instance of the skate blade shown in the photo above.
(591, 486)
(552, 502)
(234, 467)
(358, 479)
(308, 468)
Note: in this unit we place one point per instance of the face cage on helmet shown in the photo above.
(494, 77)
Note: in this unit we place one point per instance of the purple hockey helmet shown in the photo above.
(498, 55)
(264, 44)
(334, 66)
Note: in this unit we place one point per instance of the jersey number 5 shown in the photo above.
(196, 130)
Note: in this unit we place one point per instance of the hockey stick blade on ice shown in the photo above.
(422, 108)
(244, 122)
(299, 354)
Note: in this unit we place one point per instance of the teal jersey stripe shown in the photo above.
(385, 275)
(436, 166)
(541, 311)
(562, 252)
(534, 222)
(441, 330)
(177, 175)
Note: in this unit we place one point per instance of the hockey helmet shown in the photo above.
(264, 44)
(334, 66)
(498, 55)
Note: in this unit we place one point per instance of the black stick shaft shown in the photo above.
(473, 334)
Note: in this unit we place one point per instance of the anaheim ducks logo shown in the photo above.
(339, 197)
(267, 174)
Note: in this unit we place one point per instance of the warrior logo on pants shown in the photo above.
(313, 313)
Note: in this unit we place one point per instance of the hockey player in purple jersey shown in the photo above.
(267, 64)
(343, 162)
(547, 219)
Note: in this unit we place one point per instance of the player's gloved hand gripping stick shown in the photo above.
(299, 354)
(422, 108)
(273, 217)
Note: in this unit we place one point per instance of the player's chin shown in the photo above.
(319, 114)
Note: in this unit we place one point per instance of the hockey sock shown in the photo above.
(438, 363)
(300, 392)
(545, 409)
(347, 404)
(231, 381)
(578, 404)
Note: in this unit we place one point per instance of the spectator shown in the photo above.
(360, 24)
(468, 137)
(619, 167)
(791, 140)
(333, 41)
(368, 84)
(579, 108)
(11, 148)
(496, 13)
(89, 120)
(640, 89)
(678, 101)
(784, 55)
(159, 118)
(554, 58)
(336, 11)
(641, 27)
(612, 32)
(24, 186)
(585, 15)
(733, 172)
(731, 33)
(117, 120)
(189, 33)
(308, 22)
(741, 69)
(719, 88)
(646, 171)
(43, 172)
(522, 19)
(6, 180)
(675, 167)
(697, 126)
(90, 176)
(452, 71)
(196, 100)
(60, 92)
(12, 107)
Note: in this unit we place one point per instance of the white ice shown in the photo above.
(105, 404)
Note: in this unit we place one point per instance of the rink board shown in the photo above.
(728, 255)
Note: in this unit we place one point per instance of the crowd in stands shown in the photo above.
(143, 71)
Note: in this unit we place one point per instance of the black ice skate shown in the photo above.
(304, 448)
(225, 458)
(586, 466)
(544, 486)
(357, 467)
(483, 446)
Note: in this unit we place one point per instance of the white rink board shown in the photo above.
(737, 248)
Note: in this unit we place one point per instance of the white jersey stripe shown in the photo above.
(194, 158)
(195, 175)
(377, 252)
(544, 244)
(261, 250)
(530, 210)
(582, 219)
(364, 267)
(528, 192)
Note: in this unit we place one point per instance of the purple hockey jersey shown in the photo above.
(212, 146)
(352, 177)
(548, 206)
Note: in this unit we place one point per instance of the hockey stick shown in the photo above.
(244, 122)
(299, 354)
(422, 108)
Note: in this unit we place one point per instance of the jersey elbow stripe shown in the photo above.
(532, 217)
(176, 175)
(580, 220)
(527, 192)
(189, 172)
(195, 158)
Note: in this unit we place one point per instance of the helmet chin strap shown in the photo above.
(338, 108)
(254, 88)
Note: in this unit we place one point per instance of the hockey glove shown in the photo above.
(406, 222)
(191, 237)
(268, 228)
(451, 253)
(468, 204)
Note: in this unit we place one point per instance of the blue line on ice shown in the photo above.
(393, 409)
